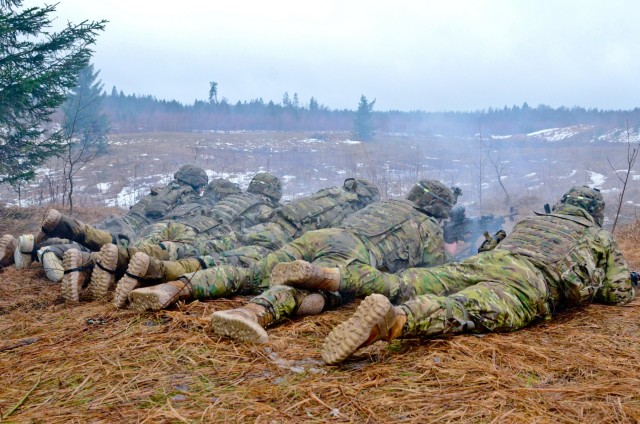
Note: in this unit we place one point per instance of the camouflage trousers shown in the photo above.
(191, 242)
(490, 292)
(89, 236)
(257, 242)
(331, 247)
(494, 291)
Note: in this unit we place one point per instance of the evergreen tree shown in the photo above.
(213, 92)
(362, 124)
(37, 68)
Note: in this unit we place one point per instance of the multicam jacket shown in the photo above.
(581, 262)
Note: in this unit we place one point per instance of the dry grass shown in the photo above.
(92, 363)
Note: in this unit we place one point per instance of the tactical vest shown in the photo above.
(165, 199)
(555, 244)
(327, 208)
(393, 231)
(240, 210)
(187, 209)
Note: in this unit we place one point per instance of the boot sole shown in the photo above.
(102, 280)
(7, 250)
(138, 266)
(347, 337)
(53, 265)
(25, 244)
(291, 273)
(71, 281)
(50, 222)
(145, 299)
(238, 328)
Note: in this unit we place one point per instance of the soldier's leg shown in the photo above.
(498, 304)
(248, 323)
(55, 224)
(322, 266)
(50, 254)
(144, 270)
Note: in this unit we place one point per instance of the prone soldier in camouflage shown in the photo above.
(168, 239)
(549, 262)
(64, 232)
(326, 208)
(390, 235)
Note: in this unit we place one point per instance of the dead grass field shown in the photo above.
(92, 363)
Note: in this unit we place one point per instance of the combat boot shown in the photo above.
(159, 297)
(51, 263)
(24, 252)
(305, 275)
(375, 319)
(8, 244)
(103, 275)
(77, 270)
(245, 324)
(142, 267)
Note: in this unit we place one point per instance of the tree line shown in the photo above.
(132, 113)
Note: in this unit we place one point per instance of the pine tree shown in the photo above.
(362, 124)
(37, 68)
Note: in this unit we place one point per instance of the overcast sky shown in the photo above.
(409, 55)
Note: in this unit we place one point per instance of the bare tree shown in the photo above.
(85, 129)
(499, 167)
(632, 155)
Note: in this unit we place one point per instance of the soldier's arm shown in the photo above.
(617, 288)
(433, 252)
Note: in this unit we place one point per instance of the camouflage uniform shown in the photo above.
(392, 235)
(155, 205)
(213, 230)
(123, 229)
(548, 262)
(324, 209)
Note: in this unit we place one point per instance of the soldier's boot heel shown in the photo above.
(8, 244)
(305, 275)
(138, 267)
(51, 220)
(23, 254)
(375, 319)
(51, 263)
(159, 297)
(103, 275)
(77, 267)
(246, 324)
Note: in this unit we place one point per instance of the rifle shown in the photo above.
(463, 228)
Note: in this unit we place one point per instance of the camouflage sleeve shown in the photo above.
(616, 288)
(433, 252)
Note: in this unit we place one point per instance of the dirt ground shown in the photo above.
(93, 363)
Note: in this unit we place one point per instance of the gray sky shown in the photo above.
(427, 55)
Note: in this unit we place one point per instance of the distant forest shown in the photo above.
(136, 113)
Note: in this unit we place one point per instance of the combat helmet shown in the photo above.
(220, 188)
(192, 175)
(587, 198)
(365, 189)
(267, 184)
(435, 198)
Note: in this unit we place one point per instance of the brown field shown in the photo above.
(93, 363)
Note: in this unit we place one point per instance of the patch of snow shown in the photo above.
(103, 187)
(597, 180)
(351, 142)
(533, 174)
(501, 137)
